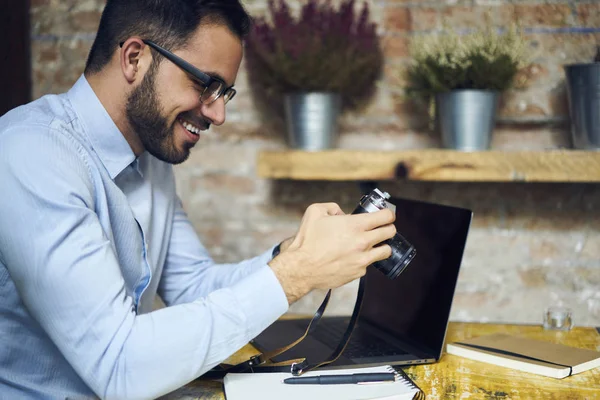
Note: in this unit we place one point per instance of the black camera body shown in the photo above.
(402, 251)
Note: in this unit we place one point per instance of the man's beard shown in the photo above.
(144, 114)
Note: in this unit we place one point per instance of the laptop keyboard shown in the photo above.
(361, 344)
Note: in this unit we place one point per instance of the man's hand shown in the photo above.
(286, 243)
(331, 249)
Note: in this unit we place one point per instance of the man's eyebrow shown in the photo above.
(218, 76)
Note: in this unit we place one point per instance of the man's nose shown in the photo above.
(215, 111)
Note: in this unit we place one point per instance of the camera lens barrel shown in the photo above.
(402, 251)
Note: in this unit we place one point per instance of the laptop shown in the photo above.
(402, 321)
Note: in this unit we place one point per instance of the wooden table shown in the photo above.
(459, 378)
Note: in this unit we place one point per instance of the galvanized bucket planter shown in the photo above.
(312, 120)
(466, 118)
(583, 92)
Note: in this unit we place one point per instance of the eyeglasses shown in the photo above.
(213, 87)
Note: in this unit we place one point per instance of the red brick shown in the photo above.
(589, 14)
(558, 102)
(423, 19)
(395, 75)
(544, 248)
(531, 75)
(85, 21)
(462, 17)
(224, 182)
(40, 84)
(378, 106)
(559, 222)
(57, 65)
(501, 15)
(519, 137)
(44, 52)
(65, 19)
(414, 41)
(397, 19)
(523, 104)
(395, 46)
(563, 48)
(62, 80)
(543, 15)
(533, 278)
(412, 114)
(46, 22)
(472, 300)
(214, 156)
(591, 248)
(77, 52)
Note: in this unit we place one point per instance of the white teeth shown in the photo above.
(190, 127)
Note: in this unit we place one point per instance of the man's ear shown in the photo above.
(135, 58)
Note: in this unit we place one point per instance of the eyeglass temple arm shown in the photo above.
(186, 66)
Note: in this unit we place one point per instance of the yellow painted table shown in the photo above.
(459, 378)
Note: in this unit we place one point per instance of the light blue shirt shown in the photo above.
(88, 236)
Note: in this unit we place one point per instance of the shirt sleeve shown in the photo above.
(69, 278)
(190, 273)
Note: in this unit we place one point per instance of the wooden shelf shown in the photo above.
(432, 165)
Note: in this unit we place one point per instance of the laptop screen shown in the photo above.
(416, 305)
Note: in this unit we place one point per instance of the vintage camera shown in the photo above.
(402, 251)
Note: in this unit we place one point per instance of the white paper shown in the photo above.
(270, 386)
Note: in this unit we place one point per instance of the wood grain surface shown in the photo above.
(432, 165)
(459, 378)
(454, 377)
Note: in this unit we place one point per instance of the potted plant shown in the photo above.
(461, 78)
(583, 92)
(313, 66)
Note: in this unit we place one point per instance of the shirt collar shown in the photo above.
(106, 139)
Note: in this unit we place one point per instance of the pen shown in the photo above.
(341, 379)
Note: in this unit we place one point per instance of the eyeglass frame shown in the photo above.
(205, 79)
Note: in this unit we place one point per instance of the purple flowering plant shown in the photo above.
(322, 49)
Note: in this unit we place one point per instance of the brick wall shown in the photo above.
(531, 245)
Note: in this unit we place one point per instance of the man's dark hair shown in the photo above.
(166, 22)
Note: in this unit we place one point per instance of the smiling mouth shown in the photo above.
(194, 129)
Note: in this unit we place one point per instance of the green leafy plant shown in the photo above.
(484, 60)
(324, 49)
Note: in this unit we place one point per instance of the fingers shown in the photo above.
(326, 209)
(380, 234)
(375, 254)
(376, 219)
(379, 253)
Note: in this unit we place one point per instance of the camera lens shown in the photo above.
(402, 254)
(402, 251)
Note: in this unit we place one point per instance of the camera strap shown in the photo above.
(258, 363)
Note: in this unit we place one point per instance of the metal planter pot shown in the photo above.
(583, 92)
(312, 120)
(466, 118)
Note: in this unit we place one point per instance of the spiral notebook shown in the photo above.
(270, 386)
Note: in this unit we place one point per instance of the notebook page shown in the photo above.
(270, 386)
